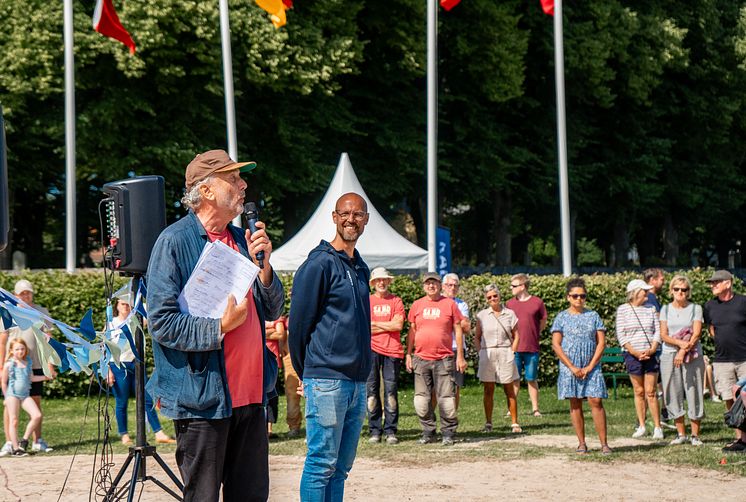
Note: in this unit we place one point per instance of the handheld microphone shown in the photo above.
(251, 216)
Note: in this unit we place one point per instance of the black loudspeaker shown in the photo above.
(4, 209)
(135, 217)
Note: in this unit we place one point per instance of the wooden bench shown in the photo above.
(613, 355)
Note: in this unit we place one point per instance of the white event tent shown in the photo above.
(380, 245)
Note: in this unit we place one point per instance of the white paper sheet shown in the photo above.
(220, 271)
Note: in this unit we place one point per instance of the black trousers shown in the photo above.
(232, 451)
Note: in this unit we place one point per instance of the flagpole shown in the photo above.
(432, 132)
(559, 68)
(70, 174)
(230, 103)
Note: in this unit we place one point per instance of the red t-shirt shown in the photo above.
(387, 343)
(434, 321)
(530, 314)
(243, 349)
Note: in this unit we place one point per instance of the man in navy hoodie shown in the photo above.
(329, 340)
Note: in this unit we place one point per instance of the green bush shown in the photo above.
(68, 297)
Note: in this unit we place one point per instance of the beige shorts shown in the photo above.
(726, 376)
(497, 365)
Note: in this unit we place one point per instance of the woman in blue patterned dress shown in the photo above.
(579, 339)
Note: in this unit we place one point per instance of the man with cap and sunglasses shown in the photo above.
(213, 377)
(725, 316)
(386, 322)
(430, 356)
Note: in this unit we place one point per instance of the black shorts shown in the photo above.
(37, 387)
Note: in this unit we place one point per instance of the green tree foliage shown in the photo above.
(655, 120)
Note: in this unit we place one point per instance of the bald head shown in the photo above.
(354, 198)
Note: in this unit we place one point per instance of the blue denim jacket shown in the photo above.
(189, 378)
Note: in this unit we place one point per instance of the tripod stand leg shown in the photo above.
(135, 472)
(168, 471)
(109, 494)
(165, 488)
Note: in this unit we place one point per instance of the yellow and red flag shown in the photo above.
(276, 10)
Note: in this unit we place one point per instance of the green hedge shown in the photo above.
(68, 297)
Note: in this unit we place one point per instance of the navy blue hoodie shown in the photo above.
(329, 330)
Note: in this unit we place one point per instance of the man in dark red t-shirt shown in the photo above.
(532, 319)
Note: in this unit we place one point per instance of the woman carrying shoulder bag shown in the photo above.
(638, 333)
(682, 362)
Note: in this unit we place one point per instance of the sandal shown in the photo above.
(515, 429)
(487, 427)
(537, 413)
(582, 449)
(605, 450)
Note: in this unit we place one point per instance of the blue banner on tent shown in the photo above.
(443, 260)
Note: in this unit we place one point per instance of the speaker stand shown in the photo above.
(141, 451)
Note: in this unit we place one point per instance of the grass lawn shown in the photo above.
(64, 418)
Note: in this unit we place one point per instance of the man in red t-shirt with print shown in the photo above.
(432, 318)
(386, 321)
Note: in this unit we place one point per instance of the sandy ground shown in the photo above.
(554, 477)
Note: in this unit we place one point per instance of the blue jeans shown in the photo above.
(335, 410)
(124, 387)
(388, 368)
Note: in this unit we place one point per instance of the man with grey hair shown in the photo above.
(213, 377)
(725, 316)
(451, 285)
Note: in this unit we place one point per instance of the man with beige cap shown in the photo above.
(24, 291)
(725, 315)
(213, 377)
(386, 321)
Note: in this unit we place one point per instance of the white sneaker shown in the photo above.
(716, 399)
(657, 433)
(639, 432)
(7, 449)
(41, 446)
(679, 440)
(696, 441)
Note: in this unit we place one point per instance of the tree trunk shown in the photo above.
(621, 244)
(670, 241)
(501, 228)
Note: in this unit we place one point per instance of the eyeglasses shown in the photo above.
(493, 297)
(357, 215)
(680, 290)
(581, 296)
(516, 285)
(451, 285)
(715, 283)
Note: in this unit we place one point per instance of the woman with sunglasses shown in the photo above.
(579, 339)
(682, 362)
(497, 338)
(638, 333)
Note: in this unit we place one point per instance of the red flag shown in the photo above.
(548, 6)
(449, 4)
(106, 22)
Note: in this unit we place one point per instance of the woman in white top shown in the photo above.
(496, 339)
(638, 333)
(682, 361)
